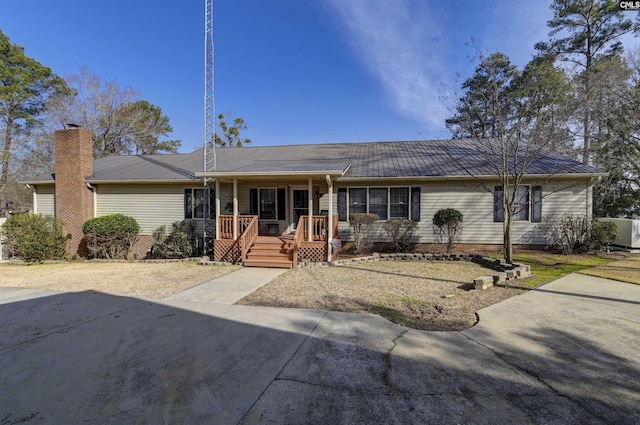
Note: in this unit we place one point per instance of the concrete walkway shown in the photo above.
(567, 353)
(230, 288)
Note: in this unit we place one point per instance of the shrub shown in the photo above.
(400, 234)
(447, 227)
(35, 237)
(180, 243)
(572, 234)
(603, 234)
(110, 236)
(362, 226)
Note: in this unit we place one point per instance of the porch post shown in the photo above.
(217, 209)
(235, 209)
(310, 221)
(330, 219)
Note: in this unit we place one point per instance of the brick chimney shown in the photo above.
(74, 200)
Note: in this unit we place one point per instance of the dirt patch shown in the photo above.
(418, 294)
(144, 280)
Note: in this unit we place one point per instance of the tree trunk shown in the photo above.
(6, 153)
(507, 245)
(507, 220)
(4, 177)
(586, 144)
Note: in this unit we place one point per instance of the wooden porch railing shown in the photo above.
(225, 224)
(248, 236)
(319, 227)
(297, 240)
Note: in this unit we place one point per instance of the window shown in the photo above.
(399, 203)
(386, 202)
(267, 204)
(378, 202)
(536, 204)
(528, 204)
(357, 201)
(194, 204)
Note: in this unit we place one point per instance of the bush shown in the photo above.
(400, 234)
(180, 243)
(110, 236)
(447, 227)
(603, 234)
(35, 237)
(362, 226)
(573, 234)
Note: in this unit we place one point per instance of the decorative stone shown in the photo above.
(483, 282)
(499, 277)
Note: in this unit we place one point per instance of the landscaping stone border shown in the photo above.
(504, 271)
(201, 260)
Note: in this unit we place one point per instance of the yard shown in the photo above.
(143, 280)
(430, 295)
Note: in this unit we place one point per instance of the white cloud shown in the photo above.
(400, 42)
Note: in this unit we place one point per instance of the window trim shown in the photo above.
(275, 203)
(409, 204)
(533, 209)
(211, 205)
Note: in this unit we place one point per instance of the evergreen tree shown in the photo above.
(25, 85)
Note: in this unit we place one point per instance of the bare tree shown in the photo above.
(521, 112)
(120, 122)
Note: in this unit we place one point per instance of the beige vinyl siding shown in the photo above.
(476, 204)
(151, 205)
(45, 200)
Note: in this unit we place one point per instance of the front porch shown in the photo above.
(241, 238)
(276, 218)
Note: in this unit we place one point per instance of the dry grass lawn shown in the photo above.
(627, 270)
(431, 295)
(144, 280)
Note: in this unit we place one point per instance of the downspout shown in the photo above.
(94, 190)
(34, 198)
(330, 219)
(235, 209)
(217, 208)
(590, 183)
(310, 212)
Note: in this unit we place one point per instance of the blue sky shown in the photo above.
(297, 71)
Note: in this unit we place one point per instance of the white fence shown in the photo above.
(628, 233)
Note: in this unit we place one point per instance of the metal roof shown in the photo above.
(410, 159)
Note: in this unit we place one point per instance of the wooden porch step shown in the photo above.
(267, 253)
(268, 240)
(268, 262)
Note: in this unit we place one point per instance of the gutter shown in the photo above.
(593, 176)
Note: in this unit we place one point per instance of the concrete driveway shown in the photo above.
(568, 353)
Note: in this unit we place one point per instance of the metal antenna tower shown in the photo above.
(209, 150)
(209, 102)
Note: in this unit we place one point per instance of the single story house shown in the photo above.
(302, 195)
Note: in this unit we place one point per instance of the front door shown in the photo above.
(299, 205)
